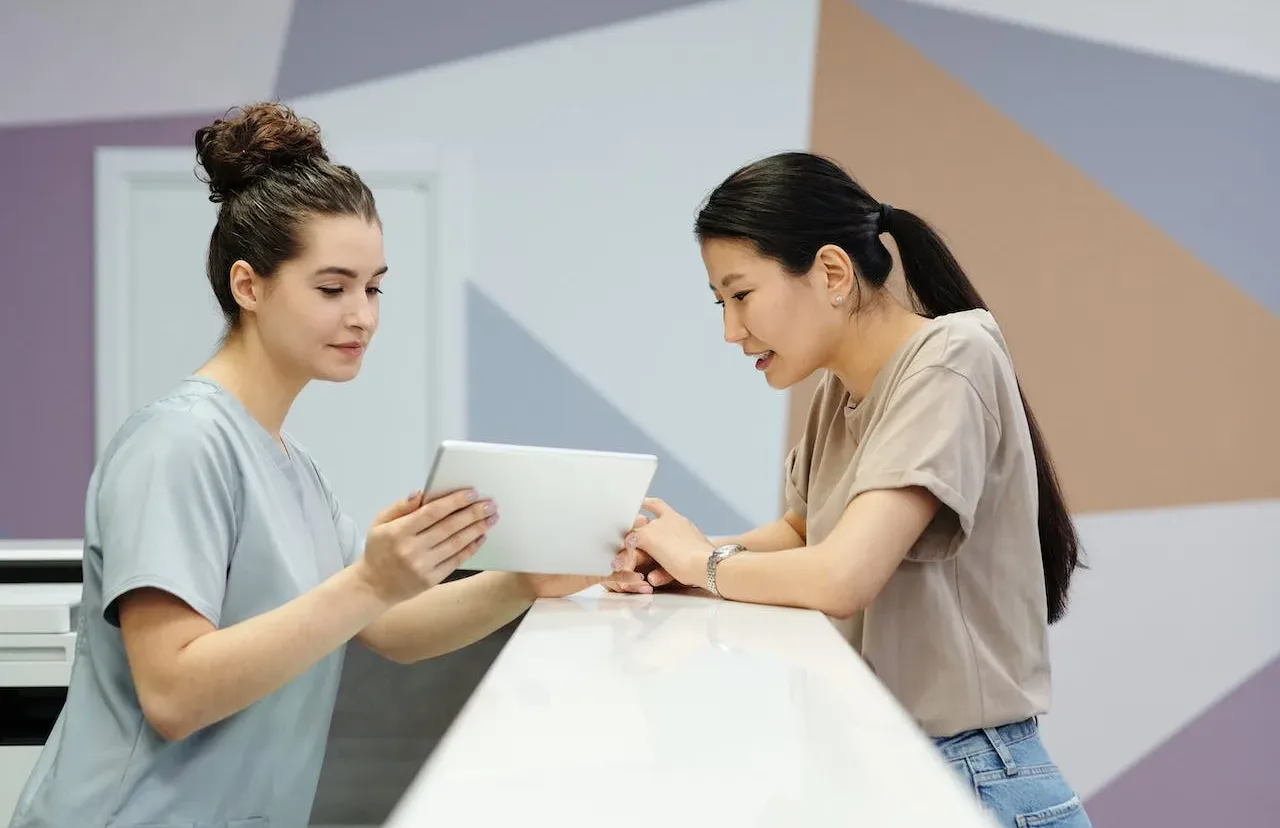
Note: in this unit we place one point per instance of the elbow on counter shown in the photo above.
(842, 599)
(842, 610)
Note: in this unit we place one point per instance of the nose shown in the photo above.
(365, 314)
(734, 330)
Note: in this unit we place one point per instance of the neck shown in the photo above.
(243, 368)
(870, 341)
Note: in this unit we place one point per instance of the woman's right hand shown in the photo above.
(415, 543)
(638, 561)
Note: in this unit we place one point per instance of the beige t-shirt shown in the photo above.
(959, 634)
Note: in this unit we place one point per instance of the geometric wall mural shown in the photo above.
(1127, 343)
(411, 34)
(46, 317)
(1176, 615)
(81, 61)
(519, 392)
(1081, 199)
(585, 165)
(1218, 770)
(1110, 198)
(1191, 149)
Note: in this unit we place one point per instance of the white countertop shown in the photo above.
(679, 709)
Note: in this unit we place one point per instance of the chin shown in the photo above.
(331, 373)
(776, 376)
(781, 379)
(778, 383)
(342, 376)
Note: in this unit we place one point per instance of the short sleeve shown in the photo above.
(934, 432)
(796, 484)
(167, 515)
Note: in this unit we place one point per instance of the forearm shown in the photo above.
(449, 617)
(224, 671)
(771, 537)
(799, 577)
(846, 571)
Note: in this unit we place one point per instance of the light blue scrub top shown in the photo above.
(194, 497)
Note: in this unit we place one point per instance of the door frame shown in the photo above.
(444, 174)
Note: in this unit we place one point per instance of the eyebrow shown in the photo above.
(334, 270)
(728, 280)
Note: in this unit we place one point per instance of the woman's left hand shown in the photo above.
(673, 542)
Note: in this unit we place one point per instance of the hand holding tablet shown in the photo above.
(416, 542)
(563, 511)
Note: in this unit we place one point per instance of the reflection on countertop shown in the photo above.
(681, 709)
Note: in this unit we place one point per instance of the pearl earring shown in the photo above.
(839, 299)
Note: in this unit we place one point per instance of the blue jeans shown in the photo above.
(1010, 772)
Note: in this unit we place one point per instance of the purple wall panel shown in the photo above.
(46, 318)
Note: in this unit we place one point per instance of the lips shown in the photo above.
(762, 358)
(350, 347)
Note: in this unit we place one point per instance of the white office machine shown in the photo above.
(40, 586)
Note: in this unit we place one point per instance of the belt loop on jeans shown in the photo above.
(1002, 750)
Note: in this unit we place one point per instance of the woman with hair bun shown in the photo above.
(222, 579)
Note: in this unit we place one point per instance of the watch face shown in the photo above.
(725, 551)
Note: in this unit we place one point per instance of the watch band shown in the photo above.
(718, 554)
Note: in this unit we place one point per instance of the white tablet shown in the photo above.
(561, 511)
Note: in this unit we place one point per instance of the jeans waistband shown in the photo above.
(982, 740)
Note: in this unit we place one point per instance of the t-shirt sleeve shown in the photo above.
(796, 484)
(166, 512)
(936, 433)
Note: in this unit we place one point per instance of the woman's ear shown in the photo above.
(835, 270)
(246, 287)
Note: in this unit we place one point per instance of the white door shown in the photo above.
(157, 320)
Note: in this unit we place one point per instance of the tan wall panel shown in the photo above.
(1154, 378)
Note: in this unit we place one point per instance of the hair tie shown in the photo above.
(884, 220)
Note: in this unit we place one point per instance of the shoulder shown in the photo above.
(955, 358)
(182, 430)
(968, 345)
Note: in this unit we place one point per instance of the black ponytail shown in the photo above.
(790, 205)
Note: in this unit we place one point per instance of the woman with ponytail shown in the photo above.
(923, 513)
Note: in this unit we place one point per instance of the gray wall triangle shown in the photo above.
(519, 392)
(396, 36)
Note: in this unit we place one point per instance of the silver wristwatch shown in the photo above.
(717, 555)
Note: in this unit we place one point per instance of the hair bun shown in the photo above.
(248, 142)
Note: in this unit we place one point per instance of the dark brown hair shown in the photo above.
(789, 205)
(269, 171)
